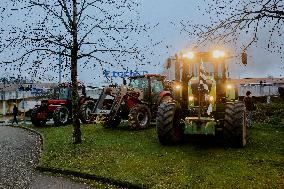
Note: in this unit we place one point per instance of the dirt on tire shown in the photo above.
(169, 129)
(85, 111)
(35, 121)
(61, 116)
(139, 117)
(235, 127)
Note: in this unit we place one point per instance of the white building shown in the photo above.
(11, 94)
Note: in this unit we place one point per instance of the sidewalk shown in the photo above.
(7, 120)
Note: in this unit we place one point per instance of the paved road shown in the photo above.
(19, 154)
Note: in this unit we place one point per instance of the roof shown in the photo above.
(258, 81)
(147, 75)
(13, 87)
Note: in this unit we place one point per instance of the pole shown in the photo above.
(24, 108)
(185, 80)
(199, 95)
(59, 61)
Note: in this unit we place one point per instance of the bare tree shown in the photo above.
(88, 31)
(240, 22)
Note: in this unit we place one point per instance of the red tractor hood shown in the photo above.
(55, 102)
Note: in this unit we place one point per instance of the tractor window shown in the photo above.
(156, 85)
(140, 83)
(64, 93)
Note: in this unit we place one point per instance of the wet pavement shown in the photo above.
(19, 154)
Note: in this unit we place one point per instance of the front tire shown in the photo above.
(169, 129)
(235, 126)
(86, 110)
(139, 117)
(61, 116)
(35, 121)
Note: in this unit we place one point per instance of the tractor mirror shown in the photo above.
(168, 63)
(124, 81)
(244, 58)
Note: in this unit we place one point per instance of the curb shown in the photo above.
(105, 180)
(101, 179)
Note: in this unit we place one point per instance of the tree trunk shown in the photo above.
(75, 98)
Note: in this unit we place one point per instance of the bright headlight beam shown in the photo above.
(189, 55)
(218, 54)
(178, 87)
(229, 86)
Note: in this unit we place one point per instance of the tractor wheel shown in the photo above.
(170, 130)
(86, 110)
(61, 116)
(35, 121)
(235, 126)
(139, 117)
(112, 123)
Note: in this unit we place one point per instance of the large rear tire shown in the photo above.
(61, 116)
(170, 130)
(235, 126)
(139, 117)
(35, 121)
(86, 110)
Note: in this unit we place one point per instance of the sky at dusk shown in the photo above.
(261, 63)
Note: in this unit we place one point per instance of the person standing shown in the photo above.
(15, 113)
(249, 108)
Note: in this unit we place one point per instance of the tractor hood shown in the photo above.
(55, 102)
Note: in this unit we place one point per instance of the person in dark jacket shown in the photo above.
(249, 108)
(15, 113)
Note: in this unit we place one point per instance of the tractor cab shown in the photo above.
(64, 94)
(64, 91)
(152, 85)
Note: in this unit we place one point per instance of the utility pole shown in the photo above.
(59, 64)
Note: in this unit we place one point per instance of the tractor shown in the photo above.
(60, 109)
(208, 103)
(138, 102)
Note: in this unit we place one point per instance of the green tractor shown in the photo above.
(207, 103)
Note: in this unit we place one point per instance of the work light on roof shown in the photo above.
(189, 55)
(218, 54)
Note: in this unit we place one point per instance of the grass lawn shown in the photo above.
(138, 158)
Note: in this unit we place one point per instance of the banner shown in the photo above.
(121, 74)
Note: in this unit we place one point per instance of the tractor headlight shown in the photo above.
(191, 98)
(189, 55)
(218, 54)
(177, 87)
(229, 86)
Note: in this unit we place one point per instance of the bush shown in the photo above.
(272, 113)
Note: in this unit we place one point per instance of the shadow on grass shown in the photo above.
(125, 127)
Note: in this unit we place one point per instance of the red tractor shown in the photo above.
(60, 109)
(138, 102)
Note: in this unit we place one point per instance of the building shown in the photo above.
(259, 87)
(24, 96)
